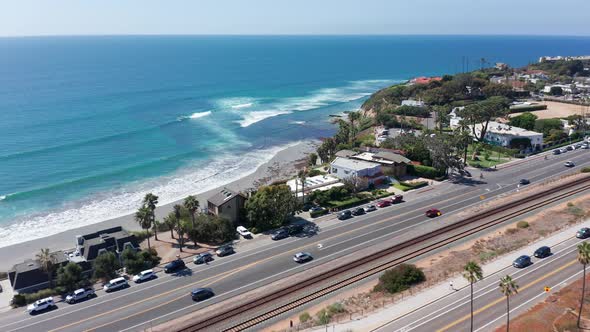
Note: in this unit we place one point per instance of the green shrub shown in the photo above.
(254, 230)
(18, 300)
(522, 224)
(400, 278)
(314, 172)
(315, 214)
(570, 204)
(323, 317)
(336, 308)
(23, 299)
(530, 108)
(304, 317)
(424, 171)
(585, 170)
(141, 235)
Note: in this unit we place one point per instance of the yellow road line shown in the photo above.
(503, 298)
(231, 272)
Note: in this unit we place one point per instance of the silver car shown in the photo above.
(370, 208)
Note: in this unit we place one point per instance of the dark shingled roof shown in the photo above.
(397, 158)
(345, 153)
(222, 196)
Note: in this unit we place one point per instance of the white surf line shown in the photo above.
(479, 292)
(528, 301)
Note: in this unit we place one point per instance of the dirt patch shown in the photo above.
(558, 110)
(558, 312)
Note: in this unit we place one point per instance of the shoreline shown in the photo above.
(282, 164)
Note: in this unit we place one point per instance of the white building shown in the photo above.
(413, 102)
(502, 134)
(319, 182)
(454, 119)
(567, 88)
(343, 168)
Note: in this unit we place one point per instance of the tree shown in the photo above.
(155, 227)
(182, 228)
(150, 201)
(479, 115)
(508, 287)
(442, 117)
(472, 273)
(70, 276)
(312, 159)
(327, 149)
(584, 259)
(546, 125)
(105, 266)
(525, 120)
(353, 117)
(170, 221)
(271, 207)
(192, 205)
(143, 216)
(495, 89)
(520, 143)
(47, 262)
(556, 91)
(400, 278)
(355, 183)
(302, 176)
(445, 152)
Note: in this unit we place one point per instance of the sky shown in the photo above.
(270, 17)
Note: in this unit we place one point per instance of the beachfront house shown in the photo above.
(29, 277)
(115, 240)
(226, 204)
(314, 183)
(502, 134)
(343, 168)
(391, 163)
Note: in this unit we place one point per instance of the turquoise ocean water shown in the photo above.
(89, 124)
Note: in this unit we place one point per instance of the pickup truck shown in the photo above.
(80, 294)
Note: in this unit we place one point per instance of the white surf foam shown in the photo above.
(198, 115)
(199, 178)
(242, 105)
(257, 116)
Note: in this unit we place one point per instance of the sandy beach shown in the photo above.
(282, 165)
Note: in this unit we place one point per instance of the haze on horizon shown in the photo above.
(271, 17)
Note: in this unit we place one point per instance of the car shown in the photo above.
(569, 164)
(524, 181)
(578, 145)
(295, 229)
(522, 261)
(433, 213)
(542, 252)
(202, 258)
(244, 232)
(280, 234)
(201, 294)
(358, 211)
(370, 208)
(396, 199)
(570, 148)
(556, 151)
(583, 233)
(144, 276)
(225, 250)
(563, 150)
(115, 284)
(307, 207)
(302, 257)
(80, 294)
(383, 203)
(174, 266)
(346, 214)
(40, 305)
(316, 209)
(585, 146)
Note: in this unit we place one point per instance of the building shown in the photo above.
(392, 163)
(502, 134)
(566, 88)
(343, 168)
(413, 103)
(564, 58)
(345, 153)
(314, 183)
(29, 277)
(425, 80)
(114, 239)
(454, 119)
(226, 204)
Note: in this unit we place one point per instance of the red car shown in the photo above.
(383, 203)
(396, 199)
(433, 213)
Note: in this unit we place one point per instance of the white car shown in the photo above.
(244, 232)
(79, 295)
(302, 257)
(569, 164)
(115, 284)
(144, 276)
(40, 305)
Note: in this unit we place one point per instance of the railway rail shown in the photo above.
(422, 244)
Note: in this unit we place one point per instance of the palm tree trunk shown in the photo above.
(172, 232)
(582, 298)
(148, 238)
(507, 313)
(471, 307)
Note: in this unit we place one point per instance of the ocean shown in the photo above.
(88, 125)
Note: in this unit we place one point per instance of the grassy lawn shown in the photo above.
(404, 186)
(495, 158)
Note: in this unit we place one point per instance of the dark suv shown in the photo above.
(358, 211)
(543, 252)
(583, 233)
(346, 214)
(280, 234)
(522, 261)
(201, 294)
(295, 229)
(174, 266)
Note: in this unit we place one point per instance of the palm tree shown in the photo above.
(177, 213)
(170, 221)
(47, 262)
(508, 287)
(441, 117)
(352, 117)
(302, 176)
(181, 231)
(192, 205)
(155, 226)
(150, 201)
(584, 259)
(472, 272)
(143, 216)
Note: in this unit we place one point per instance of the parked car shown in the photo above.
(346, 214)
(370, 208)
(563, 150)
(396, 199)
(433, 213)
(570, 148)
(144, 276)
(203, 258)
(569, 164)
(556, 151)
(524, 181)
(302, 257)
(201, 294)
(174, 266)
(115, 284)
(522, 261)
(578, 145)
(583, 233)
(225, 250)
(358, 211)
(280, 234)
(79, 295)
(542, 252)
(244, 232)
(383, 203)
(307, 207)
(40, 305)
(585, 146)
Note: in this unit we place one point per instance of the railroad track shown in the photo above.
(422, 244)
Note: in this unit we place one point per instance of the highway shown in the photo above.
(167, 297)
(451, 313)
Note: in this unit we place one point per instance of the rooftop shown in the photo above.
(222, 196)
(353, 164)
(501, 128)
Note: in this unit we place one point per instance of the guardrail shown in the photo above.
(568, 189)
